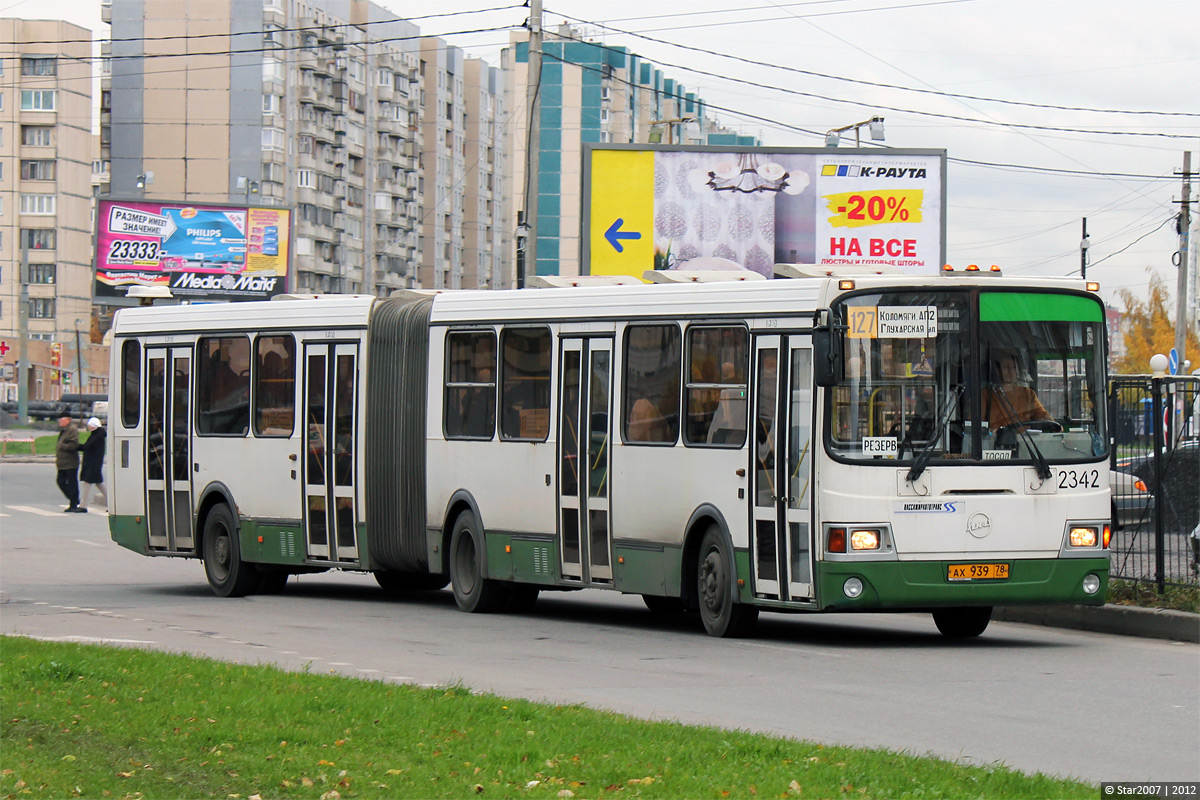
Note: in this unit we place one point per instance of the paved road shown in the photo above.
(1069, 703)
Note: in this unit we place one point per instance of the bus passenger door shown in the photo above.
(331, 437)
(168, 448)
(585, 401)
(781, 452)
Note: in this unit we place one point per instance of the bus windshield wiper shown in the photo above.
(943, 417)
(1043, 466)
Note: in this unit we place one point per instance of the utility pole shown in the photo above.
(23, 339)
(1084, 244)
(533, 81)
(78, 360)
(1183, 226)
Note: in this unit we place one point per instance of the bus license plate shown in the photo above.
(977, 572)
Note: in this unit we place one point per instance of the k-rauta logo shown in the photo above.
(227, 283)
(979, 525)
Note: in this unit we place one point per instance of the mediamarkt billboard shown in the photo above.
(648, 207)
(198, 251)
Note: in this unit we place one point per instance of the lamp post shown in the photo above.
(144, 180)
(874, 125)
(670, 123)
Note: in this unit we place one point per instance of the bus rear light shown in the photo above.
(837, 540)
(866, 539)
(1107, 536)
(1083, 537)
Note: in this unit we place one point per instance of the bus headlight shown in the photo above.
(1083, 537)
(852, 587)
(1091, 584)
(865, 539)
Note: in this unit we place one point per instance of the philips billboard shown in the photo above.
(197, 250)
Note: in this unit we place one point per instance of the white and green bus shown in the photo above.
(832, 442)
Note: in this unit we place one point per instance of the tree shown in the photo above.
(1148, 327)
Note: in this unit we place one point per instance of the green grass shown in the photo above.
(43, 445)
(91, 721)
(1145, 595)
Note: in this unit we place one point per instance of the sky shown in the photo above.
(1081, 67)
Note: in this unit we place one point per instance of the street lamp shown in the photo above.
(144, 180)
(874, 125)
(248, 186)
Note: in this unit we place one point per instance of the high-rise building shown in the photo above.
(589, 92)
(46, 181)
(330, 107)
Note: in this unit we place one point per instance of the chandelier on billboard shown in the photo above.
(749, 176)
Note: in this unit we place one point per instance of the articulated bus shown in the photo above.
(830, 442)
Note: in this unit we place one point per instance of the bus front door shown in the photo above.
(331, 436)
(781, 546)
(168, 448)
(585, 400)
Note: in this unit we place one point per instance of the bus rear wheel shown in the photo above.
(962, 623)
(228, 575)
(472, 591)
(721, 615)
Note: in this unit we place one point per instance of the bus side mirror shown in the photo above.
(827, 351)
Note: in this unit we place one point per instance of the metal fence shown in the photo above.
(1155, 427)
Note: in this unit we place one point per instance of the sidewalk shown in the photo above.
(1152, 623)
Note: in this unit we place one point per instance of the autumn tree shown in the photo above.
(1148, 327)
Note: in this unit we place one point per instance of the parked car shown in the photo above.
(1132, 502)
(1181, 476)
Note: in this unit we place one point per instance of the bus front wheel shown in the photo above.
(962, 623)
(228, 575)
(721, 615)
(472, 590)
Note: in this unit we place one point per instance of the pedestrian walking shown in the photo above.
(66, 460)
(91, 472)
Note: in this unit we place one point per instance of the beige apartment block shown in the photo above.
(312, 105)
(45, 193)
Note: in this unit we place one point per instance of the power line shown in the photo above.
(259, 31)
(821, 134)
(811, 73)
(1135, 241)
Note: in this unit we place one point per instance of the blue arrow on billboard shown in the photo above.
(614, 235)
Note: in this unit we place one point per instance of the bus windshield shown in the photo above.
(969, 376)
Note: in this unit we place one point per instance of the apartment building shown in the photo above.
(589, 93)
(330, 107)
(486, 230)
(46, 181)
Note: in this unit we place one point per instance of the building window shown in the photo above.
(305, 144)
(37, 170)
(39, 238)
(274, 139)
(470, 396)
(39, 66)
(41, 307)
(304, 179)
(37, 99)
(37, 135)
(271, 104)
(272, 70)
(37, 203)
(42, 273)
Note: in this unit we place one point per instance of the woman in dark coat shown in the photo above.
(91, 471)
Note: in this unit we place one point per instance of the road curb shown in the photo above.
(1153, 623)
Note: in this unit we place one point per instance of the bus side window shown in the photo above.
(223, 386)
(716, 389)
(274, 385)
(131, 383)
(653, 367)
(525, 384)
(470, 391)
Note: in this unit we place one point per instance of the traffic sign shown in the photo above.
(1173, 361)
